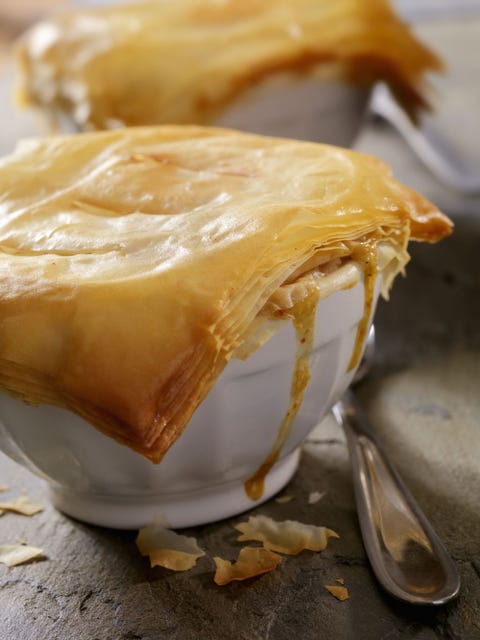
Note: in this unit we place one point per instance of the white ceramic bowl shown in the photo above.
(325, 111)
(201, 479)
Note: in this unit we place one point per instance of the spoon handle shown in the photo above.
(446, 162)
(406, 554)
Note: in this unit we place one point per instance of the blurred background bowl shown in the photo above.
(300, 107)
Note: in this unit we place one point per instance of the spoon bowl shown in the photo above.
(406, 555)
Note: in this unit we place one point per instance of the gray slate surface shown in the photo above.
(424, 398)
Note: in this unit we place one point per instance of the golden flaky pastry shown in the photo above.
(338, 592)
(21, 505)
(289, 537)
(184, 61)
(251, 562)
(12, 555)
(134, 263)
(168, 549)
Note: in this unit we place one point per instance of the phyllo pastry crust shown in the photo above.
(134, 263)
(185, 61)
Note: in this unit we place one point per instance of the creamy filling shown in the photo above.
(303, 318)
(368, 257)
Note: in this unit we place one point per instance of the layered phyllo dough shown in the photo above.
(186, 61)
(134, 264)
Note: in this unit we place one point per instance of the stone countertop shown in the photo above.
(423, 397)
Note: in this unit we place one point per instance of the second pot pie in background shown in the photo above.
(188, 61)
(134, 264)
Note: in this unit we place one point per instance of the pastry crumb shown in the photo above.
(22, 506)
(289, 537)
(315, 496)
(168, 549)
(251, 562)
(338, 592)
(12, 555)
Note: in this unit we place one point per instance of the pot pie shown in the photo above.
(135, 263)
(186, 61)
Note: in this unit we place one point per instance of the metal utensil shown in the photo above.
(445, 161)
(406, 554)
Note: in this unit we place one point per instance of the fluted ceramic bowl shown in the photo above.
(202, 477)
(284, 105)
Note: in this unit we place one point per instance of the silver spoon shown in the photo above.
(406, 554)
(446, 162)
